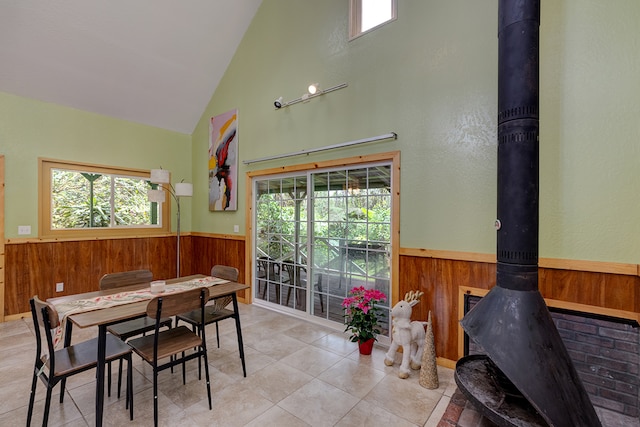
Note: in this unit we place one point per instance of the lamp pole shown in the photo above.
(177, 199)
(161, 177)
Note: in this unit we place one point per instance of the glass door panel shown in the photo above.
(281, 238)
(319, 234)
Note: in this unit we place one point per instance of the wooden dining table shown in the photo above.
(104, 317)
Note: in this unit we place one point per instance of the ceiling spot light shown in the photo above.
(313, 88)
(278, 103)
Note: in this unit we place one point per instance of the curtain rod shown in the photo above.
(391, 135)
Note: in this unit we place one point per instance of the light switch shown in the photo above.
(236, 228)
(24, 229)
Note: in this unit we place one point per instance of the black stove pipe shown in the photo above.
(512, 322)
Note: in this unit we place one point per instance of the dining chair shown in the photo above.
(294, 278)
(268, 272)
(217, 311)
(67, 361)
(178, 344)
(130, 328)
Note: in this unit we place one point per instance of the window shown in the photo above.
(89, 200)
(367, 15)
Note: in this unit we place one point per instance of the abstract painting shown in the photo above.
(223, 162)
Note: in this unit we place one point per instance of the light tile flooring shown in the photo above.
(298, 374)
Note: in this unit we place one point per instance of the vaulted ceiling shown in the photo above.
(155, 62)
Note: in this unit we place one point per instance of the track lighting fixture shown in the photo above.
(312, 91)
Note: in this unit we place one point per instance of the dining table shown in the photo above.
(108, 307)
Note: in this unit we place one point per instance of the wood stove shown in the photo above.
(527, 377)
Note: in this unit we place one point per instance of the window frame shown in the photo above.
(44, 203)
(355, 18)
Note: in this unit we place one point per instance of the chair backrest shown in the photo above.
(125, 278)
(225, 272)
(270, 267)
(52, 320)
(45, 318)
(180, 302)
(294, 271)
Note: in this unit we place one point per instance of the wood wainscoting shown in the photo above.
(596, 287)
(34, 266)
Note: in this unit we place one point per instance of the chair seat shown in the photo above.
(131, 328)
(211, 314)
(82, 356)
(170, 342)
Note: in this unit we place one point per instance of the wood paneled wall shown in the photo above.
(33, 268)
(442, 279)
(207, 251)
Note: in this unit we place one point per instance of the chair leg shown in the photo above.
(217, 335)
(63, 383)
(109, 379)
(199, 364)
(119, 377)
(155, 397)
(206, 373)
(264, 290)
(319, 285)
(171, 358)
(288, 297)
(47, 405)
(184, 371)
(130, 387)
(32, 398)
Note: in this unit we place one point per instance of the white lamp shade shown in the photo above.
(184, 189)
(157, 196)
(159, 176)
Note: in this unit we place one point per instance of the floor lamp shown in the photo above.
(181, 189)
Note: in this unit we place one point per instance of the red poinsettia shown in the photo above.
(361, 313)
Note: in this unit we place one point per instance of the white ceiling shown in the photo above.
(156, 62)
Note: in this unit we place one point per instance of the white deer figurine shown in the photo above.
(410, 335)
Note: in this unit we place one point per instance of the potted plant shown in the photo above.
(361, 316)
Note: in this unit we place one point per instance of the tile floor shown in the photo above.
(298, 374)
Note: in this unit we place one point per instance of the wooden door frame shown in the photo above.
(2, 238)
(393, 157)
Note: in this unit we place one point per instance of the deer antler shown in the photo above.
(413, 296)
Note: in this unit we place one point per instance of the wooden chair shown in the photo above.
(129, 328)
(173, 344)
(57, 365)
(217, 311)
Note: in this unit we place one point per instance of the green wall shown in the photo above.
(431, 76)
(31, 129)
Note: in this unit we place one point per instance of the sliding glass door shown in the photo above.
(318, 234)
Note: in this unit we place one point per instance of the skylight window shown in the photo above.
(367, 15)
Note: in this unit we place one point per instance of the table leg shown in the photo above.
(239, 332)
(102, 344)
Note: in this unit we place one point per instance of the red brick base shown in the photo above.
(454, 409)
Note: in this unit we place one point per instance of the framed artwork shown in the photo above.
(223, 162)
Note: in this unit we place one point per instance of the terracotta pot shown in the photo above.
(366, 346)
